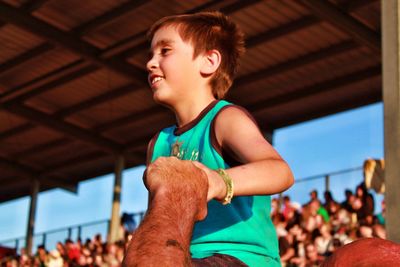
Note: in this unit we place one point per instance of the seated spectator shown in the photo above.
(311, 220)
(365, 231)
(367, 202)
(24, 259)
(55, 259)
(287, 207)
(343, 234)
(330, 204)
(280, 224)
(339, 218)
(128, 222)
(313, 259)
(97, 240)
(41, 256)
(111, 257)
(317, 208)
(301, 238)
(275, 209)
(347, 204)
(379, 231)
(73, 252)
(286, 250)
(324, 242)
(336, 243)
(313, 196)
(61, 249)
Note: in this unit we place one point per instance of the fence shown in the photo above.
(82, 231)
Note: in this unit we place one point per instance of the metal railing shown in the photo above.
(328, 176)
(74, 232)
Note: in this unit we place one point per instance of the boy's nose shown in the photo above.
(151, 64)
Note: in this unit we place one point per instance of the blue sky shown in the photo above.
(320, 146)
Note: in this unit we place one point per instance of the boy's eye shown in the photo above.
(164, 50)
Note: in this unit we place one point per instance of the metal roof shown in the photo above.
(73, 87)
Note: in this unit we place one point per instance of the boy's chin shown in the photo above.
(160, 99)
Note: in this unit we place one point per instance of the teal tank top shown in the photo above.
(242, 229)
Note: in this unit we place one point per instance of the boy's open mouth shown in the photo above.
(155, 78)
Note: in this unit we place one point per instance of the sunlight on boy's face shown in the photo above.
(172, 70)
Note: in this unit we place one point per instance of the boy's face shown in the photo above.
(172, 70)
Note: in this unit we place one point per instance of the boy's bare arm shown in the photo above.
(263, 172)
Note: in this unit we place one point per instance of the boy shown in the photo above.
(231, 167)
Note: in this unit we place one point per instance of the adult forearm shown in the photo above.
(178, 198)
(164, 235)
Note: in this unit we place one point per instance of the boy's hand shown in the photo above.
(216, 185)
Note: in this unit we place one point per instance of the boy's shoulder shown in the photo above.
(230, 113)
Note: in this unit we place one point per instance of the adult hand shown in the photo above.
(216, 185)
(178, 180)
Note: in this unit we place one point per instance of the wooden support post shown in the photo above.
(115, 212)
(32, 213)
(327, 182)
(391, 100)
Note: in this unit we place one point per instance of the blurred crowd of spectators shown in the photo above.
(311, 232)
(307, 233)
(92, 252)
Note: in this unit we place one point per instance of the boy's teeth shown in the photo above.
(157, 79)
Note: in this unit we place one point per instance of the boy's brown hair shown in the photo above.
(206, 31)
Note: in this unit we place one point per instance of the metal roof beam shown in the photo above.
(108, 17)
(154, 110)
(81, 159)
(23, 169)
(62, 80)
(50, 182)
(138, 159)
(91, 156)
(49, 121)
(334, 108)
(333, 14)
(101, 128)
(37, 85)
(16, 130)
(32, 53)
(31, 6)
(296, 63)
(280, 31)
(29, 172)
(24, 20)
(13, 186)
(118, 12)
(33, 150)
(355, 4)
(106, 97)
(315, 89)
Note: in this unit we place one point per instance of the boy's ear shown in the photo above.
(211, 62)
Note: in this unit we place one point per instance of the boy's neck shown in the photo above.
(190, 109)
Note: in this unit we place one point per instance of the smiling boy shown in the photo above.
(193, 60)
